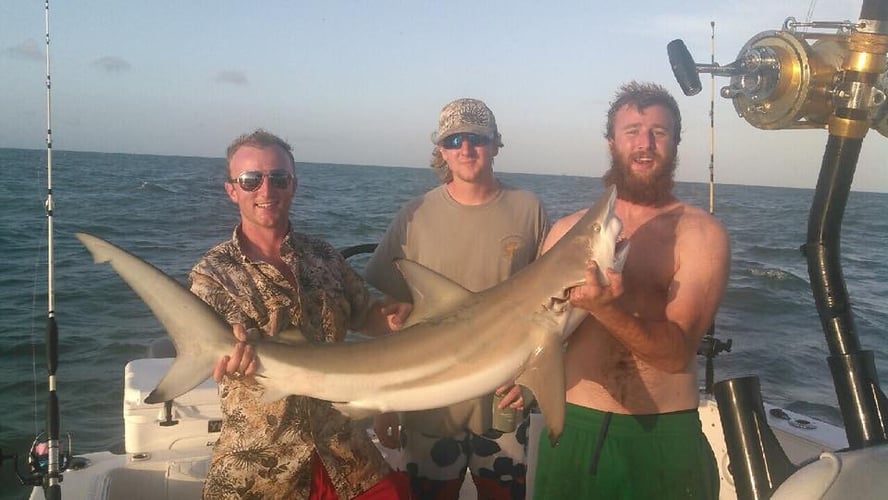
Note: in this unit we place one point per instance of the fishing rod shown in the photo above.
(710, 346)
(53, 476)
(789, 79)
(46, 459)
(712, 125)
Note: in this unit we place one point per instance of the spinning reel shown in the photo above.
(38, 460)
(790, 79)
(38, 457)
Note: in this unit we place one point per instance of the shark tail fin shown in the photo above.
(185, 374)
(200, 335)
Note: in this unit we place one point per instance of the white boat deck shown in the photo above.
(170, 462)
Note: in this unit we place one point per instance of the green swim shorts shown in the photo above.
(663, 456)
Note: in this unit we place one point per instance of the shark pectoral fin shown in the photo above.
(544, 376)
(425, 283)
(186, 373)
(575, 316)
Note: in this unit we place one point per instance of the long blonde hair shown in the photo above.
(440, 166)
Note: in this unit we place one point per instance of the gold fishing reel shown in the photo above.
(789, 79)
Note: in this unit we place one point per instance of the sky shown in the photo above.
(362, 81)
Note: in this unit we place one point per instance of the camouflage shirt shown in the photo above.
(264, 449)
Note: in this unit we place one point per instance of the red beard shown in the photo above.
(652, 190)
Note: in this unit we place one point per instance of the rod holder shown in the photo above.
(757, 462)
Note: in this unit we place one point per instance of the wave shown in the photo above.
(774, 274)
(152, 187)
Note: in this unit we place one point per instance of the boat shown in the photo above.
(168, 445)
(778, 81)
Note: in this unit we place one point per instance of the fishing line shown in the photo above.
(810, 13)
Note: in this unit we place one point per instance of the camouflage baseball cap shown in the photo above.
(466, 115)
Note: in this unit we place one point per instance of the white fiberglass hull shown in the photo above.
(170, 462)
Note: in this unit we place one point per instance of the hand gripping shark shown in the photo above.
(456, 345)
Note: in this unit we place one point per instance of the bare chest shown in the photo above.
(649, 270)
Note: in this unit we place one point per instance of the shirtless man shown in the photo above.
(632, 428)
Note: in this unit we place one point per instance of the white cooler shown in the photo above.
(195, 416)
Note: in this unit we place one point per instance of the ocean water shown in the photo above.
(169, 210)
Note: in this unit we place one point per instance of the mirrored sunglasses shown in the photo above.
(252, 179)
(455, 141)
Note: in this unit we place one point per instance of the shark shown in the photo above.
(455, 345)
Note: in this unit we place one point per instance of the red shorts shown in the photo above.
(395, 485)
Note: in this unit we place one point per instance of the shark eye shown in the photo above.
(596, 227)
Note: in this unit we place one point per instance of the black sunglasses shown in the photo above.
(455, 141)
(252, 179)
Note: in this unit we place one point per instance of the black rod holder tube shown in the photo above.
(757, 462)
(822, 246)
(860, 399)
(862, 402)
(874, 9)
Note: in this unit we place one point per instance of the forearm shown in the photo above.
(660, 343)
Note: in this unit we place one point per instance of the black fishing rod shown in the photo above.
(46, 459)
(840, 82)
(710, 345)
(53, 475)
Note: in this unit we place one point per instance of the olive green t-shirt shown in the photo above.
(476, 246)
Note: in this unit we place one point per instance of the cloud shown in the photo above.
(112, 64)
(231, 77)
(29, 49)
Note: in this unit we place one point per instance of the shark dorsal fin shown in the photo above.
(433, 293)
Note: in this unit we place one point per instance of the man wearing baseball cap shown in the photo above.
(476, 231)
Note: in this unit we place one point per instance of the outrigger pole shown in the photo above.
(53, 477)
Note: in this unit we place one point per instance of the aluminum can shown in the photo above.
(504, 419)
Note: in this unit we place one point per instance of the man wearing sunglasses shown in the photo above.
(264, 280)
(476, 231)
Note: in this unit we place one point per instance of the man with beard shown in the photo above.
(632, 429)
